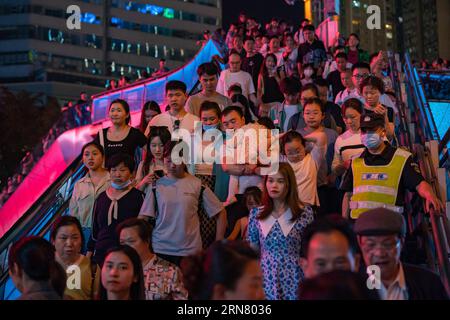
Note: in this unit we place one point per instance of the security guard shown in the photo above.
(379, 177)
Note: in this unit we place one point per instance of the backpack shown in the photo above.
(207, 239)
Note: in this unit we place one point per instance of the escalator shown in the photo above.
(45, 193)
(425, 131)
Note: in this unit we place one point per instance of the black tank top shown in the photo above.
(272, 92)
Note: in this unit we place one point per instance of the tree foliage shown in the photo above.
(25, 118)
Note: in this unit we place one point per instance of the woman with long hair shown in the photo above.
(121, 137)
(149, 110)
(269, 80)
(241, 101)
(122, 275)
(275, 229)
(154, 160)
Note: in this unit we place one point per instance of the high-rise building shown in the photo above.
(423, 27)
(353, 18)
(117, 37)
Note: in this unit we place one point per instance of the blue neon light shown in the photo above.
(88, 17)
(155, 10)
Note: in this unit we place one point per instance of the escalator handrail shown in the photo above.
(439, 221)
(43, 201)
(396, 78)
(419, 94)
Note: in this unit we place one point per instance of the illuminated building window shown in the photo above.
(355, 22)
(88, 17)
(155, 10)
(388, 26)
(169, 13)
(389, 35)
(356, 4)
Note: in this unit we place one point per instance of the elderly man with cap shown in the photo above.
(381, 174)
(381, 233)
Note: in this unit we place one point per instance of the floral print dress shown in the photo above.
(279, 242)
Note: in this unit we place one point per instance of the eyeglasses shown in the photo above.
(361, 76)
(387, 246)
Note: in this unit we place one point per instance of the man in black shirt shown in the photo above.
(312, 51)
(334, 77)
(382, 173)
(330, 107)
(238, 46)
(252, 62)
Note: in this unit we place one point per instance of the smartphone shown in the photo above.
(159, 173)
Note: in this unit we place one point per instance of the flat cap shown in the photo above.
(380, 221)
(372, 120)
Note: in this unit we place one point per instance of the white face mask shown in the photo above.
(308, 73)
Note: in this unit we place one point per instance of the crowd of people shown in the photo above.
(147, 222)
(124, 81)
(437, 64)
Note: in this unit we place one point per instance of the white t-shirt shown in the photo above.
(238, 184)
(227, 79)
(346, 94)
(290, 110)
(177, 228)
(306, 175)
(166, 119)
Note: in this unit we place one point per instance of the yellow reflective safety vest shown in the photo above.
(377, 186)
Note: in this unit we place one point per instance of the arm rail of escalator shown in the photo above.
(38, 219)
(439, 224)
(396, 76)
(428, 124)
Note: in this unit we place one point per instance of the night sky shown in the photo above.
(262, 10)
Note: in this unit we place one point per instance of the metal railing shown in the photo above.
(422, 107)
(425, 130)
(39, 218)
